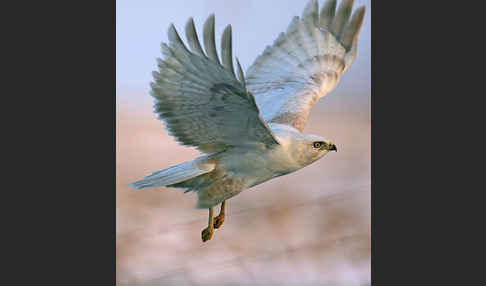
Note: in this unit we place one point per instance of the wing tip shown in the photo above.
(353, 27)
(241, 75)
(227, 49)
(310, 11)
(209, 38)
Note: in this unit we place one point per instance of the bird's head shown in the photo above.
(308, 148)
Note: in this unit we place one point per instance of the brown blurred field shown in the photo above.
(311, 227)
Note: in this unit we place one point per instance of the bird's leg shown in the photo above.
(218, 221)
(207, 233)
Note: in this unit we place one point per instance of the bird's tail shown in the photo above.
(176, 174)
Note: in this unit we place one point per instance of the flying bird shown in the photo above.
(249, 129)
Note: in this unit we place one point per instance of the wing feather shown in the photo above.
(241, 75)
(327, 14)
(226, 53)
(305, 62)
(310, 13)
(352, 29)
(193, 39)
(209, 40)
(201, 101)
(341, 18)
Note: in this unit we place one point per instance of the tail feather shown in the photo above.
(175, 174)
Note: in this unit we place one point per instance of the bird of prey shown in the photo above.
(249, 129)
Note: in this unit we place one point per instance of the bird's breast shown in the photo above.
(257, 166)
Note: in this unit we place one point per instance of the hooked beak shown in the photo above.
(332, 147)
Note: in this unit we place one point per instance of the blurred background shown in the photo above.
(311, 227)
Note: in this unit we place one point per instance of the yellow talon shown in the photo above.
(207, 233)
(218, 221)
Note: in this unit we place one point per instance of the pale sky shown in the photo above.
(142, 25)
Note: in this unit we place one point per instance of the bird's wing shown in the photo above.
(201, 101)
(305, 62)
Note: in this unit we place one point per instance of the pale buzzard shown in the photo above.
(249, 129)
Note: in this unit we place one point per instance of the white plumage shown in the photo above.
(249, 129)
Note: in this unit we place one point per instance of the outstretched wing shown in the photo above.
(201, 101)
(305, 63)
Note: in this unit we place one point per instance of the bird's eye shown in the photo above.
(317, 145)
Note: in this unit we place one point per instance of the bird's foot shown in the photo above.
(207, 233)
(218, 221)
